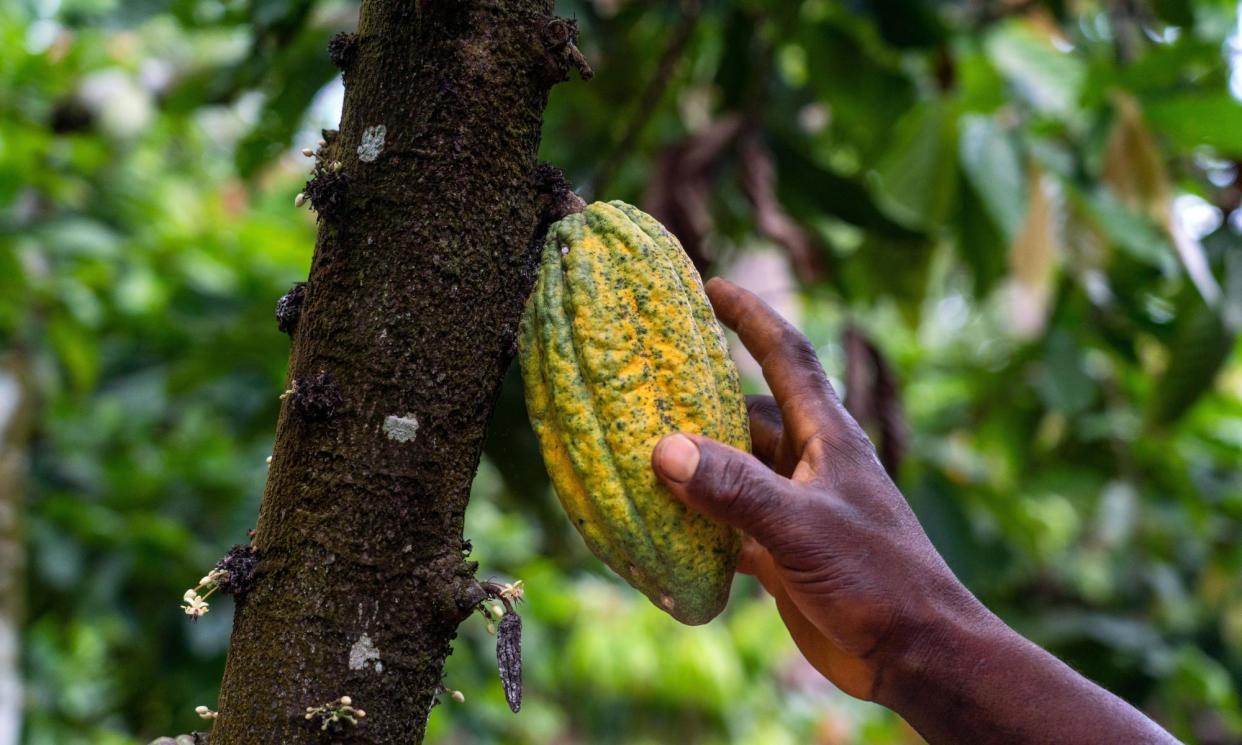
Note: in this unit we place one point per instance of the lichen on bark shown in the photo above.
(419, 280)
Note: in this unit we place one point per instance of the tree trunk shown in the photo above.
(407, 325)
(14, 459)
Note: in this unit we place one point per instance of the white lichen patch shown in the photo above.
(372, 143)
(364, 653)
(401, 428)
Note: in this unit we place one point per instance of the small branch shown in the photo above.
(758, 177)
(873, 397)
(649, 100)
(679, 191)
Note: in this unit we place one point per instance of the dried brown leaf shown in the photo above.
(759, 182)
(873, 397)
(679, 192)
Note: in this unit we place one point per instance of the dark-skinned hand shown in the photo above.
(864, 594)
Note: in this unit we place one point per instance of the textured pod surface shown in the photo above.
(619, 348)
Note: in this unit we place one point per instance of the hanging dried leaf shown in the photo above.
(1134, 171)
(509, 658)
(759, 182)
(1133, 166)
(679, 192)
(873, 397)
(1033, 260)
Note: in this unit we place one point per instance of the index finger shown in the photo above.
(808, 404)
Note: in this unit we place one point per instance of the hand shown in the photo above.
(828, 534)
(860, 587)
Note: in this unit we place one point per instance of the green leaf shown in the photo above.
(1127, 230)
(916, 181)
(1198, 119)
(1174, 12)
(77, 352)
(1048, 79)
(907, 23)
(889, 268)
(1199, 349)
(810, 188)
(1062, 383)
(993, 165)
(865, 91)
(980, 241)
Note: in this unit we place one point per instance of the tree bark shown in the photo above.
(407, 324)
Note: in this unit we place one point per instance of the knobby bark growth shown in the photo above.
(403, 333)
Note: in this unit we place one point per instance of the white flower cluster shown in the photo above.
(341, 710)
(513, 592)
(195, 598)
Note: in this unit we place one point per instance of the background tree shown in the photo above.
(1021, 217)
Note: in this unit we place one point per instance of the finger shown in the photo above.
(723, 483)
(752, 556)
(765, 427)
(807, 402)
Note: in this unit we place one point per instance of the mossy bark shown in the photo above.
(411, 310)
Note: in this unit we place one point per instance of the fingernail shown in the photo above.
(677, 457)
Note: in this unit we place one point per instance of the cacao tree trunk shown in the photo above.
(407, 325)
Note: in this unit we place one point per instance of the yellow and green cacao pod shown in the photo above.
(619, 348)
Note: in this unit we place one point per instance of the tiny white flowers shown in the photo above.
(513, 592)
(299, 200)
(335, 712)
(195, 600)
(206, 713)
(195, 604)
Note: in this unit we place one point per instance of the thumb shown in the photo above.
(721, 482)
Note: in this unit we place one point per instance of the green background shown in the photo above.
(1003, 197)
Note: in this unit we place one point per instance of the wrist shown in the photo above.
(935, 645)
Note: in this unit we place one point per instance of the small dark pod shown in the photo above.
(509, 658)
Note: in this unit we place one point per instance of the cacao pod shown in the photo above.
(619, 347)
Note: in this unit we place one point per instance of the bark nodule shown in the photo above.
(289, 307)
(420, 273)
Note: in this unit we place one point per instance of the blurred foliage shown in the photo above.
(1028, 209)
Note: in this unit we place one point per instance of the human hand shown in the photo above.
(860, 587)
(855, 578)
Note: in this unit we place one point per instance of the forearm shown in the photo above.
(975, 680)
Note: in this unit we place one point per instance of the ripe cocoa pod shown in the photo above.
(619, 347)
